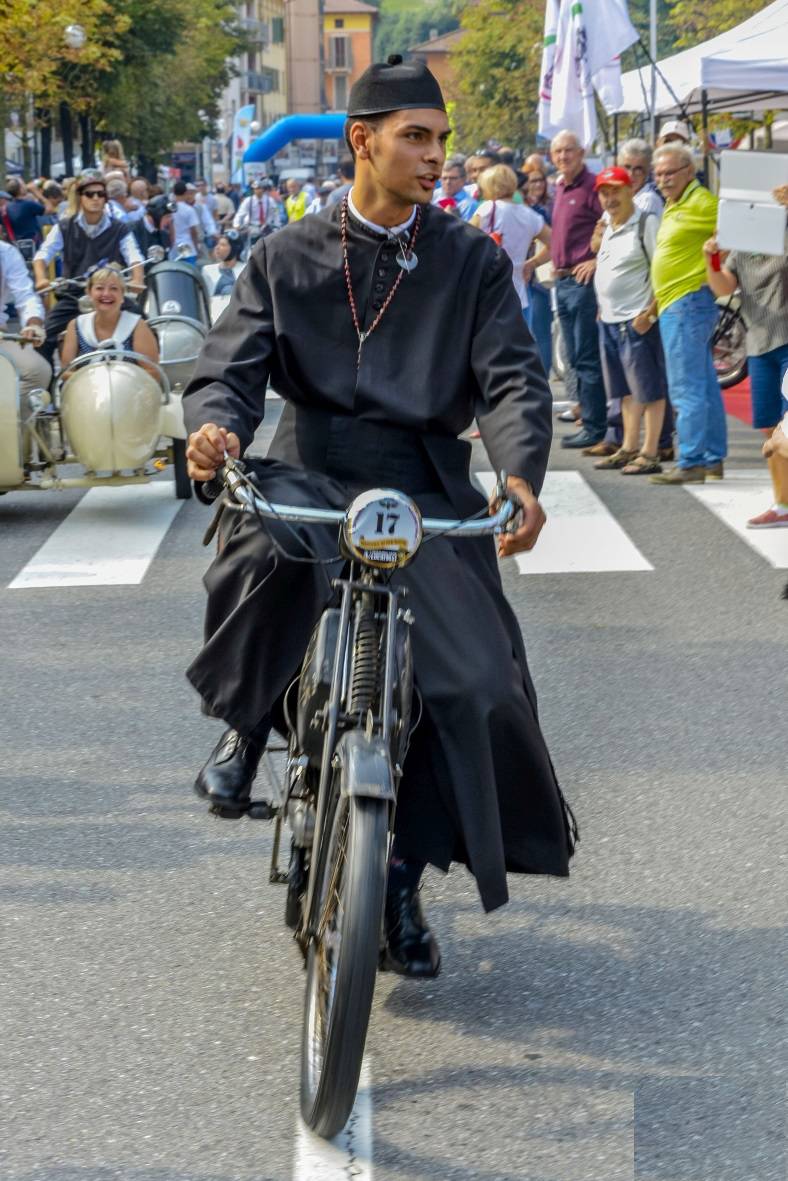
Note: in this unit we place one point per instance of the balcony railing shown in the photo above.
(260, 81)
(258, 32)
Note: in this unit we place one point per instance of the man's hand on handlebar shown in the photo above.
(205, 450)
(533, 518)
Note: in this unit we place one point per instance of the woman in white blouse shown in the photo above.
(513, 226)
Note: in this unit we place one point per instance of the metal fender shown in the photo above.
(172, 418)
(365, 767)
(11, 469)
(111, 411)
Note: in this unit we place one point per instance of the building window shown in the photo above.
(277, 30)
(340, 92)
(339, 23)
(339, 56)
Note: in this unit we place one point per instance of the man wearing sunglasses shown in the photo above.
(86, 239)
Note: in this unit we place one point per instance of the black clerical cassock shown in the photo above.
(478, 784)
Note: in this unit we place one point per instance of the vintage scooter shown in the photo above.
(106, 412)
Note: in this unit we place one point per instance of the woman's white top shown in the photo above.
(518, 225)
(121, 337)
(210, 274)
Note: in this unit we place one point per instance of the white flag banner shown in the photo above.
(607, 84)
(572, 106)
(609, 31)
(546, 125)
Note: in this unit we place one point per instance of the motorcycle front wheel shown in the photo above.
(342, 962)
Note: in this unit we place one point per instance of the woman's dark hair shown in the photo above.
(234, 242)
(541, 176)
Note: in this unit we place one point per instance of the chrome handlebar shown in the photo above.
(249, 500)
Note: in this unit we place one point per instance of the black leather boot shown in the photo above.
(226, 779)
(411, 948)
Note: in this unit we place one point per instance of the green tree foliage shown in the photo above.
(399, 27)
(175, 63)
(496, 69)
(694, 22)
(35, 61)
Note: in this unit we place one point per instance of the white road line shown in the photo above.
(741, 495)
(108, 539)
(581, 534)
(349, 1154)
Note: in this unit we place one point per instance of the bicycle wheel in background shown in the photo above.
(342, 962)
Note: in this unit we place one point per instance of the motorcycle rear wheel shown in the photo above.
(342, 962)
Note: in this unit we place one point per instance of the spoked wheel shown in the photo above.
(729, 348)
(342, 962)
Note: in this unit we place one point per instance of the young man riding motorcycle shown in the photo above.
(87, 238)
(354, 316)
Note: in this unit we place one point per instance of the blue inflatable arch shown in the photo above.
(290, 128)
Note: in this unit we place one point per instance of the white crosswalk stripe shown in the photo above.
(741, 495)
(349, 1154)
(581, 534)
(109, 539)
(112, 535)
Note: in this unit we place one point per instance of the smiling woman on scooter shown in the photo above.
(108, 324)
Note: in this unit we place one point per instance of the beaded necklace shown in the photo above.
(407, 251)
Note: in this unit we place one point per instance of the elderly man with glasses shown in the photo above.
(687, 318)
(635, 156)
(452, 195)
(88, 238)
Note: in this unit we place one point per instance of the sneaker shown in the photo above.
(714, 471)
(680, 475)
(773, 518)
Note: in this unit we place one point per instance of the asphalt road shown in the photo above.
(626, 1023)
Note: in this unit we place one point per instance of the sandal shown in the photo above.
(642, 465)
(619, 459)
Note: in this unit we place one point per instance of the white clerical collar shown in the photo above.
(389, 231)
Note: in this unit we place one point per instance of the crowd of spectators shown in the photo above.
(626, 258)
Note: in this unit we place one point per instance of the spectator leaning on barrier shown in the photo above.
(632, 360)
(576, 210)
(762, 281)
(687, 317)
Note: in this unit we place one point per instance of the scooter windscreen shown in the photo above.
(176, 289)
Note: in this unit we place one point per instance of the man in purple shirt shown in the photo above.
(576, 211)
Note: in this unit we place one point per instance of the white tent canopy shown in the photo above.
(745, 69)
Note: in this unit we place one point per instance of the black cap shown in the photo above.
(394, 85)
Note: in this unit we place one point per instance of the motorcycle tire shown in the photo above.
(183, 485)
(342, 962)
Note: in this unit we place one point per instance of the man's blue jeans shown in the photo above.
(577, 312)
(687, 326)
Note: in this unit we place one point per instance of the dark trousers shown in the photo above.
(58, 318)
(577, 310)
(542, 324)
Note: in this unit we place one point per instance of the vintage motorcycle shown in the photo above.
(348, 721)
(177, 309)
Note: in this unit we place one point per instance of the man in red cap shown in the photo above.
(633, 364)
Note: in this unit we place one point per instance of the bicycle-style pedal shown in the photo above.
(254, 809)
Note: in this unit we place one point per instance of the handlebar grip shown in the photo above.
(208, 491)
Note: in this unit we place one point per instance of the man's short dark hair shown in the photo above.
(487, 154)
(14, 186)
(179, 188)
(373, 121)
